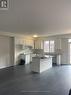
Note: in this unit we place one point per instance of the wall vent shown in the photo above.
(4, 4)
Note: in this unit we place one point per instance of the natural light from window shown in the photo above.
(49, 46)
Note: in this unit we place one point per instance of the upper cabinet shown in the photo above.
(24, 41)
(29, 42)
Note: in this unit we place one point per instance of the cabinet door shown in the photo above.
(29, 42)
(27, 59)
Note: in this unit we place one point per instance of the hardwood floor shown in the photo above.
(20, 80)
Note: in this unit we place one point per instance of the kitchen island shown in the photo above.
(40, 64)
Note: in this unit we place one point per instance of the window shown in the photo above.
(48, 46)
(3, 4)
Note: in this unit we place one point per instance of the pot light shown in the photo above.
(35, 36)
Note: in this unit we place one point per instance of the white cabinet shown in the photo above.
(39, 65)
(24, 41)
(58, 59)
(27, 59)
(29, 42)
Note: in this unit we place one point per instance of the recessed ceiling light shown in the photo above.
(35, 36)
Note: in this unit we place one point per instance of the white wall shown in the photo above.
(6, 52)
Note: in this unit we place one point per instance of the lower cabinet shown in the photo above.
(27, 58)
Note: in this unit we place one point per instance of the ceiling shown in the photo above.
(41, 17)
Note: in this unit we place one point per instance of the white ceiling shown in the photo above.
(42, 17)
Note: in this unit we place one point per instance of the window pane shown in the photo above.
(69, 40)
(49, 46)
(46, 46)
